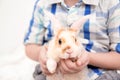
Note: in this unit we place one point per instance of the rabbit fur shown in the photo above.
(65, 44)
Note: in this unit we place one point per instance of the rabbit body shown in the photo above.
(65, 44)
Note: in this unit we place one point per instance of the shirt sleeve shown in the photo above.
(114, 28)
(36, 29)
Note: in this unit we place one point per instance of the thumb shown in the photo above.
(78, 62)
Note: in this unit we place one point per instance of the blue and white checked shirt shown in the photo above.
(103, 34)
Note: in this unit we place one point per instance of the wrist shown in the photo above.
(93, 59)
(42, 52)
(89, 57)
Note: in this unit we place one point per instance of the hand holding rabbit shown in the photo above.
(68, 66)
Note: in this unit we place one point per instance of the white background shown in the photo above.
(15, 16)
(14, 19)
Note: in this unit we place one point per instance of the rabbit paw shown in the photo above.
(51, 65)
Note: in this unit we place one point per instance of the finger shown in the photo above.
(73, 67)
(42, 57)
(43, 61)
(85, 58)
(82, 66)
(82, 59)
(64, 67)
(45, 70)
(70, 64)
(82, 63)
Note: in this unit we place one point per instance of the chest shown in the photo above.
(67, 16)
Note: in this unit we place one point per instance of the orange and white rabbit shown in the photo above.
(65, 44)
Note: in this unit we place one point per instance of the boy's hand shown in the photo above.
(68, 66)
(43, 59)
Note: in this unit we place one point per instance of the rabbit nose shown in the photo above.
(69, 51)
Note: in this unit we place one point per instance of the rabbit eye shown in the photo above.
(60, 41)
(75, 40)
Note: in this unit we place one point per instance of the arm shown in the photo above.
(34, 37)
(110, 60)
(32, 51)
(37, 53)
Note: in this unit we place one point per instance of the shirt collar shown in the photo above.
(90, 2)
(55, 1)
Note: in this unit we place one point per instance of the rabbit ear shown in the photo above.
(79, 23)
(54, 21)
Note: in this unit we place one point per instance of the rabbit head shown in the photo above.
(65, 42)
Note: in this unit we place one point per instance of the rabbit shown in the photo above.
(65, 44)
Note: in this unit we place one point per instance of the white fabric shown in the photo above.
(16, 66)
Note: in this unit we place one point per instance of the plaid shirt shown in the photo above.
(103, 34)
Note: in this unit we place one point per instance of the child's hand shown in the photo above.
(43, 59)
(68, 66)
